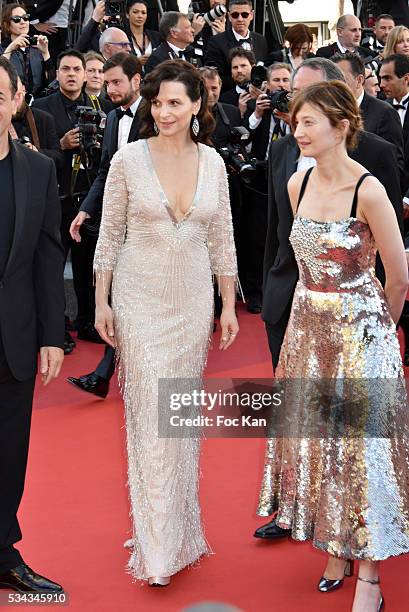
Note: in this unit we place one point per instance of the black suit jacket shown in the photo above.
(230, 97)
(329, 50)
(162, 52)
(47, 134)
(92, 203)
(32, 298)
(54, 105)
(405, 173)
(218, 51)
(381, 119)
(280, 267)
(220, 136)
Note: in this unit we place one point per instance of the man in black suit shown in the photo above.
(394, 82)
(280, 267)
(73, 180)
(31, 319)
(378, 116)
(218, 49)
(349, 32)
(123, 78)
(398, 9)
(241, 63)
(177, 34)
(383, 25)
(37, 126)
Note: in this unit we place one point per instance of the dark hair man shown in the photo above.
(241, 63)
(280, 268)
(31, 319)
(349, 32)
(73, 180)
(218, 49)
(383, 25)
(177, 34)
(123, 78)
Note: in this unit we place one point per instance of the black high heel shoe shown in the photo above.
(326, 586)
(381, 604)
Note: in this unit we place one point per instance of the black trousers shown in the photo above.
(253, 230)
(82, 258)
(275, 335)
(57, 43)
(106, 367)
(16, 399)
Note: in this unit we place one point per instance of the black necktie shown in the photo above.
(120, 113)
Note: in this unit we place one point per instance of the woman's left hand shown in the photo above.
(42, 45)
(230, 328)
(143, 59)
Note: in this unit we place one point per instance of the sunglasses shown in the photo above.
(18, 18)
(236, 15)
(122, 45)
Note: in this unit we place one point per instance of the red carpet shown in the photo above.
(74, 514)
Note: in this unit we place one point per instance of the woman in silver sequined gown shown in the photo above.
(162, 301)
(349, 495)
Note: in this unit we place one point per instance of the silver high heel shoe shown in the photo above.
(381, 604)
(159, 581)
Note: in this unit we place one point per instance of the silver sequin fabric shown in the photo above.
(162, 298)
(349, 495)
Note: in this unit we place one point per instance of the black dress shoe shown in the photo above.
(325, 585)
(254, 305)
(89, 334)
(69, 343)
(91, 383)
(271, 531)
(24, 580)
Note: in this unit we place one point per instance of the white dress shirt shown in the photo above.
(402, 111)
(124, 126)
(176, 50)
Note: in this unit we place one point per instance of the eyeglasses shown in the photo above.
(18, 18)
(236, 15)
(122, 45)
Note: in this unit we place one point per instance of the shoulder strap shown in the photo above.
(355, 200)
(303, 186)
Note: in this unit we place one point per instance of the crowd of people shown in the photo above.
(295, 180)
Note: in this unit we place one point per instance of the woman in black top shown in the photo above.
(32, 62)
(143, 41)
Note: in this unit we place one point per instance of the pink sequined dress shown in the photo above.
(162, 298)
(348, 494)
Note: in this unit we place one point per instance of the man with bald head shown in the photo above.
(280, 267)
(113, 40)
(349, 32)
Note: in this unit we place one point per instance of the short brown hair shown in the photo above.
(335, 100)
(128, 62)
(7, 12)
(240, 52)
(297, 35)
(177, 71)
(93, 55)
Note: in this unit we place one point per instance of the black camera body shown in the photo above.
(257, 77)
(235, 156)
(32, 40)
(91, 124)
(280, 100)
(114, 8)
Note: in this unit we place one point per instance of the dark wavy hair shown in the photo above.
(177, 71)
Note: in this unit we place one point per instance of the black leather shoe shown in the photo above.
(24, 580)
(254, 305)
(90, 334)
(271, 531)
(91, 383)
(69, 343)
(325, 585)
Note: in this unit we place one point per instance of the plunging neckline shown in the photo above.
(165, 201)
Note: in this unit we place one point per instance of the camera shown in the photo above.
(24, 140)
(91, 124)
(114, 8)
(280, 100)
(32, 40)
(235, 156)
(257, 77)
(211, 15)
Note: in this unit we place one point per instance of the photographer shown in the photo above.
(35, 128)
(213, 12)
(29, 55)
(112, 40)
(265, 127)
(242, 62)
(74, 181)
(123, 77)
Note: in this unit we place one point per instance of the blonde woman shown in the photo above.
(397, 42)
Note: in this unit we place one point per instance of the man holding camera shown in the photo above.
(123, 78)
(239, 35)
(74, 181)
(241, 62)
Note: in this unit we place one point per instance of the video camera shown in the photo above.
(235, 156)
(202, 8)
(91, 124)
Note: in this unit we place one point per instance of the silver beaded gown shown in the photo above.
(162, 299)
(348, 494)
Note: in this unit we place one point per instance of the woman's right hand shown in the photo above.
(104, 323)
(18, 43)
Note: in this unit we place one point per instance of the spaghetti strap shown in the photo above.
(355, 200)
(303, 186)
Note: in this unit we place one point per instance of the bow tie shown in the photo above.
(241, 41)
(120, 113)
(402, 105)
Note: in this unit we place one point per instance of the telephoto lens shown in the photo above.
(217, 11)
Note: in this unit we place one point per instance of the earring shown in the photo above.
(195, 125)
(155, 128)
